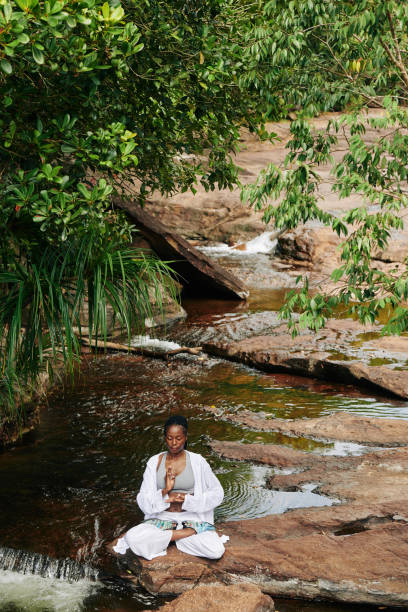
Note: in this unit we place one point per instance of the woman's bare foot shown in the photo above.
(110, 545)
(179, 534)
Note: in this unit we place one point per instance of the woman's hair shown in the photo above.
(179, 420)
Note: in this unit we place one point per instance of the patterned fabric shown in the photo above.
(197, 526)
(161, 524)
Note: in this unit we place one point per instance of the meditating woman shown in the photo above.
(178, 495)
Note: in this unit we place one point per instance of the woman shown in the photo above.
(178, 495)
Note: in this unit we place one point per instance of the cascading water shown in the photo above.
(33, 582)
(25, 562)
(264, 243)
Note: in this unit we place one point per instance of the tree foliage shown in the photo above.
(322, 56)
(101, 98)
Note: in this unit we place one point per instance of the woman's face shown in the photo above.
(175, 438)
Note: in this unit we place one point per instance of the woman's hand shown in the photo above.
(169, 481)
(176, 497)
(176, 501)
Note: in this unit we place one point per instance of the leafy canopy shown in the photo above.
(101, 97)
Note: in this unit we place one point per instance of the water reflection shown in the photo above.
(247, 498)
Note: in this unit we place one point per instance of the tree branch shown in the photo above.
(140, 350)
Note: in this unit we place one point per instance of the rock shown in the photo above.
(357, 479)
(244, 597)
(196, 271)
(173, 573)
(12, 432)
(342, 426)
(316, 355)
(172, 312)
(355, 552)
(317, 245)
(269, 454)
(397, 249)
(352, 478)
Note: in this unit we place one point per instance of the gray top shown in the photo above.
(184, 482)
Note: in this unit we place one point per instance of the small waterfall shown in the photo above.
(41, 565)
(264, 243)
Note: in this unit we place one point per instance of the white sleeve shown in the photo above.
(150, 499)
(212, 492)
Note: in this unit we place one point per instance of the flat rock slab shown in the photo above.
(342, 426)
(301, 554)
(352, 552)
(244, 597)
(196, 272)
(305, 355)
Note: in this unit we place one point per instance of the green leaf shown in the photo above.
(8, 11)
(117, 14)
(57, 7)
(23, 38)
(53, 21)
(38, 55)
(67, 148)
(127, 148)
(337, 274)
(84, 20)
(105, 11)
(6, 66)
(24, 4)
(84, 191)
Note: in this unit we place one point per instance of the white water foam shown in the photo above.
(264, 243)
(156, 343)
(36, 594)
(342, 449)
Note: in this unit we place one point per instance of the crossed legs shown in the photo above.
(149, 541)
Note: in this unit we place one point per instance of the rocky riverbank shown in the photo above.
(353, 551)
(344, 350)
(328, 355)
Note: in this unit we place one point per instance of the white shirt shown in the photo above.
(208, 492)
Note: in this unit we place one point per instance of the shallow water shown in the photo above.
(71, 487)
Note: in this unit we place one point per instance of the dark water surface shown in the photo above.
(71, 487)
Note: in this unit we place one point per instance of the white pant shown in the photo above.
(149, 541)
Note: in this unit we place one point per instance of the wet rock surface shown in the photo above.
(356, 479)
(355, 551)
(343, 426)
(335, 353)
(246, 597)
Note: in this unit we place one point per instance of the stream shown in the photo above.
(71, 487)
